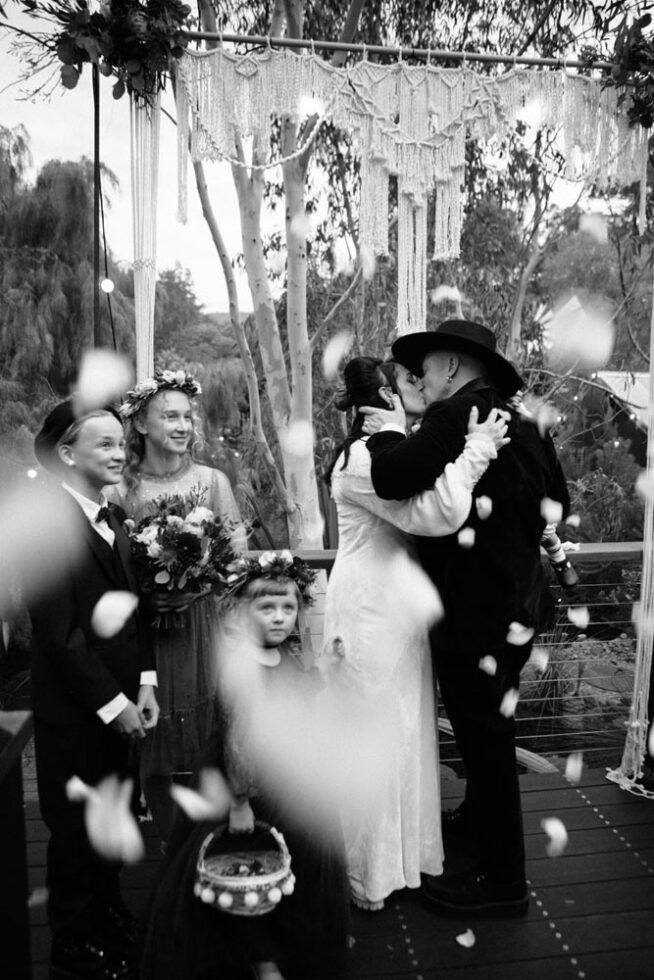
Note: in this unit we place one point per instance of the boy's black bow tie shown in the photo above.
(103, 515)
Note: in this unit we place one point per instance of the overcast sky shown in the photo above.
(63, 129)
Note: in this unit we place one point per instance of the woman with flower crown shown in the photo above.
(161, 433)
(378, 610)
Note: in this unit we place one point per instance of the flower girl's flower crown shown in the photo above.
(273, 565)
(160, 381)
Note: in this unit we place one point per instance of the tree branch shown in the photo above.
(337, 305)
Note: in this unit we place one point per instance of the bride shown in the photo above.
(376, 637)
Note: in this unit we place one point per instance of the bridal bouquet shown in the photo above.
(181, 548)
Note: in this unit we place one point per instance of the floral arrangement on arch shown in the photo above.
(182, 547)
(134, 40)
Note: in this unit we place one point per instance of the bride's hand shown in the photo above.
(376, 417)
(495, 426)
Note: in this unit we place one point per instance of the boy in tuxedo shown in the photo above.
(92, 696)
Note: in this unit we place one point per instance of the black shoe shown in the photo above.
(474, 895)
(565, 573)
(77, 959)
(456, 824)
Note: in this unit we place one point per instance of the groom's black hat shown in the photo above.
(54, 427)
(466, 337)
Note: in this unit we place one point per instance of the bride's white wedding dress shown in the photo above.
(376, 647)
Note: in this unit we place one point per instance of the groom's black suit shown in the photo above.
(484, 589)
(74, 673)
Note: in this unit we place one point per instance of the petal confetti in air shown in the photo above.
(650, 740)
(367, 261)
(543, 413)
(211, 801)
(645, 485)
(466, 537)
(297, 438)
(558, 835)
(37, 897)
(509, 703)
(103, 378)
(578, 338)
(445, 294)
(595, 225)
(110, 823)
(488, 665)
(540, 658)
(466, 939)
(518, 634)
(484, 507)
(551, 510)
(579, 616)
(573, 520)
(334, 352)
(277, 261)
(302, 225)
(574, 765)
(309, 105)
(112, 611)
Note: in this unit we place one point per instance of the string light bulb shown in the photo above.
(107, 285)
(32, 474)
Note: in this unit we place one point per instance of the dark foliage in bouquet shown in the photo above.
(182, 547)
(134, 40)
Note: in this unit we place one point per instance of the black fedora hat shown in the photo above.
(55, 425)
(464, 336)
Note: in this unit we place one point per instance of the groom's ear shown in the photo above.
(453, 364)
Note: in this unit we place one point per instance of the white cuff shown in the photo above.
(108, 712)
(148, 677)
(392, 427)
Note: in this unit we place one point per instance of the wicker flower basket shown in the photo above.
(244, 874)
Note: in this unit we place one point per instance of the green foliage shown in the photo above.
(602, 491)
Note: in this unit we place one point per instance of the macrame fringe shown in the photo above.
(144, 131)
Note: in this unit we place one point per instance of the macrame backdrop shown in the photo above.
(409, 124)
(144, 131)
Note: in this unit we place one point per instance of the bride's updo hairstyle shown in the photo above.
(362, 379)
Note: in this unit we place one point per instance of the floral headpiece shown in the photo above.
(161, 381)
(274, 565)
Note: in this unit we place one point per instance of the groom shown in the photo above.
(485, 588)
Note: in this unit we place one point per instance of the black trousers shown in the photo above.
(80, 883)
(486, 740)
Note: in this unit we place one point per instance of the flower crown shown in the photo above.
(160, 381)
(274, 565)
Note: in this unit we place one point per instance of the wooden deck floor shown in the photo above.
(591, 914)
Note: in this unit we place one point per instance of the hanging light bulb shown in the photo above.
(32, 474)
(107, 285)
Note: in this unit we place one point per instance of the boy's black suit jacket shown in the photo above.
(74, 671)
(500, 579)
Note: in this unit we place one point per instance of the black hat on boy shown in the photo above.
(54, 427)
(464, 336)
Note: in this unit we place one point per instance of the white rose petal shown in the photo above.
(38, 897)
(368, 262)
(509, 703)
(210, 802)
(540, 658)
(595, 225)
(578, 338)
(579, 616)
(574, 765)
(77, 791)
(297, 438)
(334, 353)
(645, 485)
(518, 634)
(103, 378)
(302, 226)
(466, 939)
(445, 294)
(484, 507)
(551, 510)
(110, 824)
(558, 835)
(112, 611)
(650, 740)
(466, 537)
(488, 665)
(574, 520)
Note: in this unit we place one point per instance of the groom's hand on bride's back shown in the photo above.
(376, 417)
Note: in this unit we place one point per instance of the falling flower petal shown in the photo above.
(111, 826)
(277, 262)
(518, 634)
(77, 791)
(574, 520)
(545, 415)
(594, 225)
(484, 507)
(558, 835)
(211, 801)
(445, 294)
(488, 665)
(368, 262)
(551, 510)
(579, 338)
(38, 897)
(650, 740)
(466, 537)
(112, 611)
(570, 545)
(466, 939)
(302, 225)
(574, 765)
(540, 658)
(334, 352)
(103, 378)
(509, 703)
(579, 616)
(297, 438)
(645, 485)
